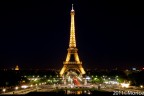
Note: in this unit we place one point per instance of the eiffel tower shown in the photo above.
(72, 61)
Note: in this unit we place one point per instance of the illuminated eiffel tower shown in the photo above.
(72, 61)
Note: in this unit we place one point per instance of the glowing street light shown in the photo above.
(4, 90)
(88, 78)
(125, 85)
(16, 88)
(24, 86)
(141, 86)
(31, 85)
(35, 79)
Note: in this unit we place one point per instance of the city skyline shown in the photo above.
(35, 34)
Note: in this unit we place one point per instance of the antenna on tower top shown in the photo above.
(72, 8)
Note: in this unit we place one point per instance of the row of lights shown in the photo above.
(23, 86)
(4, 89)
(40, 76)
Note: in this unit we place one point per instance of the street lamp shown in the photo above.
(31, 85)
(141, 86)
(24, 86)
(16, 88)
(126, 85)
(4, 90)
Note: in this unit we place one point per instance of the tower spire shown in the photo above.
(72, 8)
(72, 42)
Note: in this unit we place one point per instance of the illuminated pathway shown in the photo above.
(24, 91)
(41, 88)
(49, 88)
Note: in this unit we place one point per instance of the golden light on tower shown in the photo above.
(17, 67)
(75, 64)
(72, 42)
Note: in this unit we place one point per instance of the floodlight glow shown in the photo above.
(24, 86)
(35, 79)
(16, 88)
(126, 85)
(4, 90)
(88, 78)
(106, 82)
(141, 86)
(31, 85)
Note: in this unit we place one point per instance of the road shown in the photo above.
(41, 88)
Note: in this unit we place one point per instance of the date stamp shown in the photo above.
(128, 92)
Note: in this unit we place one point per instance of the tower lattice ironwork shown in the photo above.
(72, 60)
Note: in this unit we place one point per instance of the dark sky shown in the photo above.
(35, 34)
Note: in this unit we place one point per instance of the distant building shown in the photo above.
(17, 67)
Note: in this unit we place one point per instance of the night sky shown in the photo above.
(35, 34)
